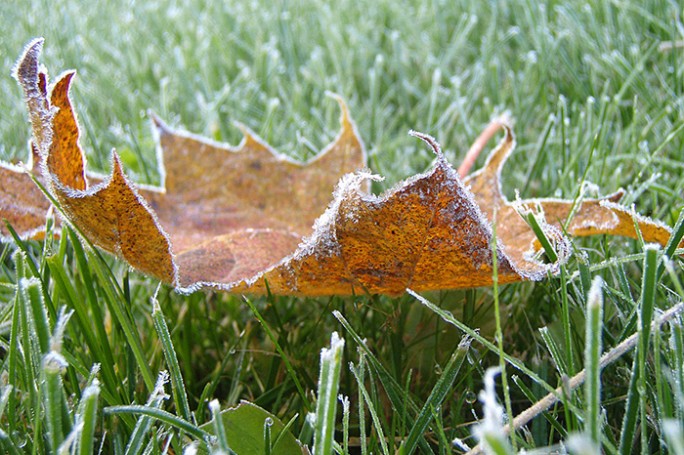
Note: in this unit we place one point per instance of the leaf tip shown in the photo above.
(26, 69)
(159, 125)
(345, 118)
(429, 140)
(499, 155)
(117, 166)
(64, 81)
(595, 297)
(616, 196)
(249, 139)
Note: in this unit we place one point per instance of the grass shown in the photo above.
(83, 339)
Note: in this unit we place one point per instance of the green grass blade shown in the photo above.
(117, 304)
(14, 358)
(39, 317)
(371, 409)
(92, 303)
(554, 350)
(647, 308)
(87, 415)
(674, 435)
(592, 357)
(219, 429)
(180, 396)
(475, 335)
(438, 394)
(98, 341)
(4, 398)
(161, 416)
(8, 444)
(636, 394)
(532, 221)
(490, 428)
(144, 423)
(288, 364)
(54, 366)
(676, 237)
(268, 446)
(497, 313)
(394, 390)
(345, 424)
(328, 385)
(361, 377)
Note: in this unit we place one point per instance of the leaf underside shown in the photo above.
(247, 219)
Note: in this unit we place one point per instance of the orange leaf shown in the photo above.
(247, 219)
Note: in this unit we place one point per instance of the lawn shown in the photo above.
(97, 357)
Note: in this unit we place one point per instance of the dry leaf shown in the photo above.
(22, 203)
(248, 219)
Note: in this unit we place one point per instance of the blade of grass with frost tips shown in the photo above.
(268, 423)
(219, 429)
(87, 415)
(674, 435)
(437, 396)
(592, 358)
(361, 377)
(97, 341)
(116, 301)
(489, 429)
(554, 350)
(4, 398)
(328, 385)
(24, 250)
(345, 424)
(39, 318)
(13, 359)
(30, 353)
(89, 315)
(475, 335)
(307, 431)
(371, 409)
(635, 406)
(394, 391)
(162, 416)
(54, 366)
(142, 426)
(676, 237)
(557, 426)
(647, 302)
(180, 397)
(497, 315)
(8, 444)
(286, 359)
(606, 359)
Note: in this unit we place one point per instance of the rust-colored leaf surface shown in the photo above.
(248, 220)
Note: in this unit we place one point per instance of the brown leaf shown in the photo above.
(22, 203)
(577, 218)
(247, 219)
